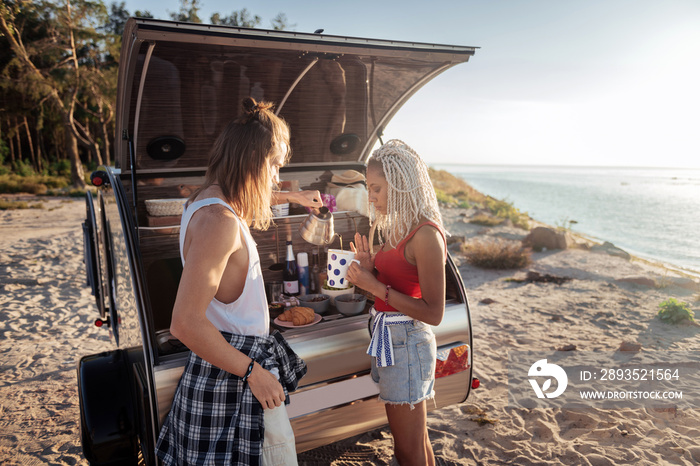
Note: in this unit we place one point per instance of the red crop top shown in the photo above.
(394, 270)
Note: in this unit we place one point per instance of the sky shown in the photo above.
(554, 82)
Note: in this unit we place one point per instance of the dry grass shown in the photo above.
(496, 254)
(448, 186)
(486, 220)
(12, 205)
(455, 192)
(31, 184)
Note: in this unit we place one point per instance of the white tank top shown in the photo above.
(248, 315)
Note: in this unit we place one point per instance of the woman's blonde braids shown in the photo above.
(411, 196)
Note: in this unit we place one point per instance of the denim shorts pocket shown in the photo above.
(399, 336)
(427, 354)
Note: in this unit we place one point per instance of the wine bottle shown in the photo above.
(313, 274)
(290, 276)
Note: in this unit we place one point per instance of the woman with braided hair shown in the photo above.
(407, 278)
(229, 407)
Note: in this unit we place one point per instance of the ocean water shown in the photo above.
(653, 213)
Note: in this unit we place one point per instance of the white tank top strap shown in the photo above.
(189, 211)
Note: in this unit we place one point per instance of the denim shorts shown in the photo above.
(412, 377)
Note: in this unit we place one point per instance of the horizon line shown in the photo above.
(539, 165)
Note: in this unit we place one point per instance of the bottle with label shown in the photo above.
(322, 268)
(290, 275)
(303, 270)
(313, 274)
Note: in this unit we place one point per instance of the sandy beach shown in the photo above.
(46, 325)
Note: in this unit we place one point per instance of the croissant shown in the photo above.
(298, 315)
(302, 315)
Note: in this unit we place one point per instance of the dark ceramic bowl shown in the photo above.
(318, 302)
(350, 304)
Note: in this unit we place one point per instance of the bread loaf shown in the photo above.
(298, 315)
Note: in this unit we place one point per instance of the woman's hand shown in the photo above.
(362, 253)
(365, 279)
(311, 198)
(265, 387)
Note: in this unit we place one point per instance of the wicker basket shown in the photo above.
(165, 207)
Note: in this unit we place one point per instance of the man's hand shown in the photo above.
(265, 387)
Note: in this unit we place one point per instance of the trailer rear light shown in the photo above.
(475, 383)
(98, 178)
(452, 360)
(101, 322)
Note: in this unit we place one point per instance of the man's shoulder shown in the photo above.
(215, 221)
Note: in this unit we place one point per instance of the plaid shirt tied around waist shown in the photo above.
(214, 418)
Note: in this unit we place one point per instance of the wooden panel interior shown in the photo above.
(160, 248)
(160, 245)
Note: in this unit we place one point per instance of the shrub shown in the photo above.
(496, 254)
(11, 205)
(486, 220)
(4, 151)
(506, 210)
(673, 311)
(22, 168)
(60, 168)
(33, 184)
(444, 198)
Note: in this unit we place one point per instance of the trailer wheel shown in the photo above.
(105, 393)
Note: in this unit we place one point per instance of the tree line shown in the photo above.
(58, 80)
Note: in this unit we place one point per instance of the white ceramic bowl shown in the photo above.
(337, 292)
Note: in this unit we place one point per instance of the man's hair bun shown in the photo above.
(252, 109)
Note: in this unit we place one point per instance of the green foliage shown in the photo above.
(450, 201)
(4, 152)
(673, 311)
(23, 168)
(496, 254)
(506, 210)
(189, 12)
(118, 15)
(281, 23)
(240, 18)
(444, 198)
(59, 168)
(74, 56)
